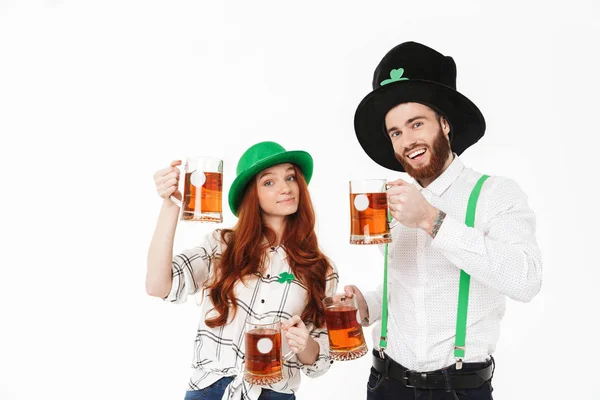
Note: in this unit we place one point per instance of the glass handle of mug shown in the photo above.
(392, 222)
(288, 356)
(175, 199)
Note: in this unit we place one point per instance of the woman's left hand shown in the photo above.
(296, 334)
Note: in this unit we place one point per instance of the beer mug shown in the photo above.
(368, 212)
(263, 360)
(202, 190)
(346, 339)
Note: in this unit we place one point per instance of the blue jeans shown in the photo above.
(216, 390)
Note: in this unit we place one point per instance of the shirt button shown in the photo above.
(262, 301)
(268, 276)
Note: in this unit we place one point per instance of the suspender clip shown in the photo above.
(459, 363)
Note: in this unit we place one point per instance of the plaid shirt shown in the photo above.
(219, 352)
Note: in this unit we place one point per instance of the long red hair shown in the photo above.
(246, 252)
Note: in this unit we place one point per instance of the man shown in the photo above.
(415, 121)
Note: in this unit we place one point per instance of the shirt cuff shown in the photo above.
(373, 300)
(175, 295)
(322, 364)
(456, 235)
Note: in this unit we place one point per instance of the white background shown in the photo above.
(97, 95)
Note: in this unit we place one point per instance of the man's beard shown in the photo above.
(437, 159)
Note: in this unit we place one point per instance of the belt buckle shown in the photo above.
(405, 379)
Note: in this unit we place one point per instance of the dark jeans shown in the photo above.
(216, 390)
(381, 388)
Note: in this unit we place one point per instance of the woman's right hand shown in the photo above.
(167, 181)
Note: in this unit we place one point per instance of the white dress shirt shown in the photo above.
(219, 352)
(500, 253)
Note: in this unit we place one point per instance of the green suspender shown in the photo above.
(384, 311)
(463, 291)
(465, 282)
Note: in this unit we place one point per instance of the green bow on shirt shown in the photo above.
(285, 277)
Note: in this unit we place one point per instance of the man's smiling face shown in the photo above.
(420, 140)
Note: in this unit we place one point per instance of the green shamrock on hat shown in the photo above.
(395, 76)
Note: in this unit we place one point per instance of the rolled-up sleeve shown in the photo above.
(193, 267)
(320, 335)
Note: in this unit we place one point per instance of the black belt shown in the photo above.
(469, 377)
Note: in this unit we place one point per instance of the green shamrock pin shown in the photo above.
(395, 75)
(285, 277)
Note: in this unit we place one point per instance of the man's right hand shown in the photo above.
(363, 309)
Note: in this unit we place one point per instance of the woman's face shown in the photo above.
(278, 192)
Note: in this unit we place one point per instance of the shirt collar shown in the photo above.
(447, 178)
(279, 250)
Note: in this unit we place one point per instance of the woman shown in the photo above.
(269, 263)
